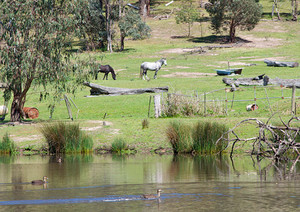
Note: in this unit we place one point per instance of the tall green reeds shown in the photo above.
(66, 138)
(205, 135)
(197, 139)
(180, 137)
(7, 146)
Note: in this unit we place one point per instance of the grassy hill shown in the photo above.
(188, 72)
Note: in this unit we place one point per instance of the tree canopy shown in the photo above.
(34, 40)
(233, 14)
(187, 14)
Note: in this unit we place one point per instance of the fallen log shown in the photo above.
(102, 90)
(281, 64)
(289, 83)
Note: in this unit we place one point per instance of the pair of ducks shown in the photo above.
(145, 196)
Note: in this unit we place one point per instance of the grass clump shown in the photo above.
(145, 123)
(66, 138)
(180, 138)
(7, 146)
(205, 135)
(119, 145)
(197, 139)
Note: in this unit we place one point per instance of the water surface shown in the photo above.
(115, 183)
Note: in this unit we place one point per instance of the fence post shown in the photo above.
(226, 100)
(293, 99)
(157, 106)
(149, 106)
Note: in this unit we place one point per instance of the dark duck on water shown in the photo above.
(39, 182)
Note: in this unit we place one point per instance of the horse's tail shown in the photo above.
(141, 71)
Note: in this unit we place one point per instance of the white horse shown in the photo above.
(152, 67)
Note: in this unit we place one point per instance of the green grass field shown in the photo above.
(277, 40)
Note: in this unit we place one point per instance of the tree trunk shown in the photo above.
(232, 32)
(277, 10)
(102, 90)
(17, 105)
(122, 38)
(144, 8)
(294, 10)
(108, 25)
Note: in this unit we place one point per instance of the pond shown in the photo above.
(115, 183)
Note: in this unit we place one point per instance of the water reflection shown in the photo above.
(92, 179)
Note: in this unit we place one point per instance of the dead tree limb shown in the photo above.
(257, 81)
(273, 141)
(102, 90)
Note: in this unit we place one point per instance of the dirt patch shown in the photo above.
(189, 74)
(95, 128)
(27, 138)
(266, 42)
(182, 67)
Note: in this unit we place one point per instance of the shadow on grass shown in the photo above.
(212, 39)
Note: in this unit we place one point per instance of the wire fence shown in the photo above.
(225, 100)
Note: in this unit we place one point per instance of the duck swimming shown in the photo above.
(39, 182)
(152, 196)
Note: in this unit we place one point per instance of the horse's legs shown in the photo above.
(155, 75)
(145, 74)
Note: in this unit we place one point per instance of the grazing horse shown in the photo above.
(106, 69)
(152, 67)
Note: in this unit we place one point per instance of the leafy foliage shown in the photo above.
(131, 25)
(232, 14)
(34, 41)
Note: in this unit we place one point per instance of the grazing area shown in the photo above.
(190, 71)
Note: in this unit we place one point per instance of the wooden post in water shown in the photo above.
(157, 106)
(293, 99)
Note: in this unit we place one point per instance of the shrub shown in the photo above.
(66, 138)
(179, 136)
(7, 146)
(119, 145)
(198, 139)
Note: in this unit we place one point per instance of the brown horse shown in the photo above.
(106, 69)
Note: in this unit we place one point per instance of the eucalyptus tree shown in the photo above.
(34, 41)
(131, 25)
(233, 14)
(187, 14)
